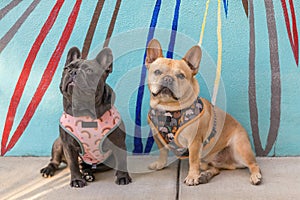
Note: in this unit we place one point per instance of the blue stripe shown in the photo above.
(225, 2)
(149, 143)
(174, 30)
(150, 139)
(138, 145)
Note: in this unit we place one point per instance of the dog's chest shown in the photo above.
(171, 124)
(90, 133)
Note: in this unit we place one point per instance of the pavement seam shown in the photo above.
(178, 180)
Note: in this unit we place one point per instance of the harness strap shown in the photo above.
(213, 131)
(163, 122)
(170, 123)
(91, 133)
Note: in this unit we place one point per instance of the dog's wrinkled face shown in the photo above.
(83, 81)
(172, 82)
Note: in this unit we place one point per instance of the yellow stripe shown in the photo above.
(219, 62)
(203, 23)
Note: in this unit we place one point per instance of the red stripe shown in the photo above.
(47, 76)
(19, 89)
(293, 37)
(295, 32)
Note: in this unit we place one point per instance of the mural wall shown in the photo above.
(249, 66)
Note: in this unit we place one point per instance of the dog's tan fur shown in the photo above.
(230, 150)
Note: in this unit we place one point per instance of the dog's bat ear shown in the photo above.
(105, 59)
(108, 95)
(73, 54)
(154, 51)
(193, 58)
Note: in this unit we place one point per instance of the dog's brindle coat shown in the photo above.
(85, 93)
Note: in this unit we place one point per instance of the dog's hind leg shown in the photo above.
(207, 175)
(222, 160)
(244, 155)
(56, 159)
(211, 168)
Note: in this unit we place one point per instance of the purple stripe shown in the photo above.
(8, 8)
(13, 30)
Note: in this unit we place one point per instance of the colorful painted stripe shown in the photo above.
(19, 89)
(9, 7)
(138, 145)
(245, 5)
(203, 23)
(275, 81)
(170, 51)
(92, 27)
(252, 80)
(219, 62)
(275, 78)
(112, 23)
(46, 77)
(293, 36)
(225, 3)
(13, 30)
(174, 30)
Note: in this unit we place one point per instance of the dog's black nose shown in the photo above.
(168, 80)
(73, 73)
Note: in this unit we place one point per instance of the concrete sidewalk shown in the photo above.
(20, 179)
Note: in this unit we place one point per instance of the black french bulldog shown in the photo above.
(88, 109)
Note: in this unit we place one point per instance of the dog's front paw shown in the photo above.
(157, 165)
(47, 171)
(78, 183)
(192, 180)
(256, 178)
(123, 178)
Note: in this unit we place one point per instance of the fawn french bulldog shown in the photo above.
(188, 125)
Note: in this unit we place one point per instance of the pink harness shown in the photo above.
(90, 133)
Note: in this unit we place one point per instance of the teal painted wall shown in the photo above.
(263, 45)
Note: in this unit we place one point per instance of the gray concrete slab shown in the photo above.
(281, 180)
(20, 179)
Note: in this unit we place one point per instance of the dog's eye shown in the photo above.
(68, 68)
(180, 76)
(157, 72)
(89, 70)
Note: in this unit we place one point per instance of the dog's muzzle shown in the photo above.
(167, 87)
(167, 81)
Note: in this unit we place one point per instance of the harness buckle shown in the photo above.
(94, 166)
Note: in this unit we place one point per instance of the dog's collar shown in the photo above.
(170, 123)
